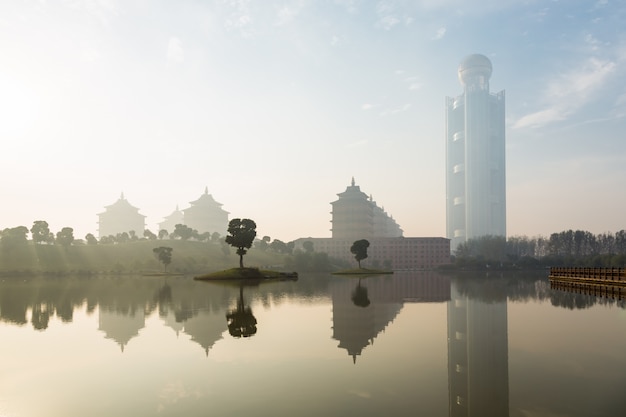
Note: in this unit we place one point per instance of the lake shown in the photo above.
(408, 344)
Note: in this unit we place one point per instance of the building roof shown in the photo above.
(205, 200)
(121, 205)
(353, 192)
(473, 66)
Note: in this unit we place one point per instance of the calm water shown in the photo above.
(411, 344)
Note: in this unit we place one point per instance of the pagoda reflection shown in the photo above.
(120, 326)
(363, 308)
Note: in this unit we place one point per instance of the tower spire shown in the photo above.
(353, 181)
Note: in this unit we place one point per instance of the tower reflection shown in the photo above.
(478, 375)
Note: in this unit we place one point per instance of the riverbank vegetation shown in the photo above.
(127, 253)
(568, 248)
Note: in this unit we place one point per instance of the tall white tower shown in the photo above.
(475, 156)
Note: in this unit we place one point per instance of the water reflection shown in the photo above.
(478, 380)
(120, 326)
(360, 297)
(241, 321)
(467, 348)
(364, 307)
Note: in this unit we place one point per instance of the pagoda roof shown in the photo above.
(121, 203)
(176, 214)
(353, 191)
(206, 200)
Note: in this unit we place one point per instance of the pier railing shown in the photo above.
(607, 276)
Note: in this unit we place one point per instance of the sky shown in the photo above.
(274, 106)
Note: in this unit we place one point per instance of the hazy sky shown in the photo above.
(276, 105)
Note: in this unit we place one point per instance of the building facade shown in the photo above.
(475, 156)
(121, 217)
(398, 253)
(206, 215)
(357, 216)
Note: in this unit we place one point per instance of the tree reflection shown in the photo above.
(359, 296)
(241, 321)
(40, 317)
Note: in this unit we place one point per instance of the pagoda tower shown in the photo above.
(206, 215)
(121, 217)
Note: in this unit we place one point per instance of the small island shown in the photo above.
(241, 234)
(362, 271)
(248, 274)
(359, 249)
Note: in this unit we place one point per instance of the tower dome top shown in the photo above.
(475, 68)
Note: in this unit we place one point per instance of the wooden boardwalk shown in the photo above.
(616, 292)
(593, 276)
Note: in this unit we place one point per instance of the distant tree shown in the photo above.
(308, 246)
(215, 237)
(261, 245)
(107, 240)
(40, 232)
(66, 236)
(278, 246)
(486, 249)
(149, 235)
(14, 236)
(241, 234)
(225, 248)
(91, 239)
(164, 255)
(182, 232)
(320, 262)
(122, 237)
(163, 234)
(204, 237)
(266, 239)
(359, 250)
(133, 235)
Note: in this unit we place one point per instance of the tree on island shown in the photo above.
(164, 255)
(359, 250)
(241, 234)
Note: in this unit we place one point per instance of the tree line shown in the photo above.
(49, 252)
(566, 248)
